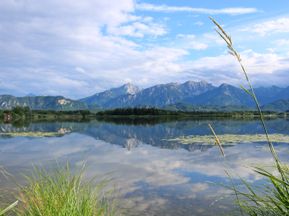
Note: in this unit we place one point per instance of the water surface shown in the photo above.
(152, 175)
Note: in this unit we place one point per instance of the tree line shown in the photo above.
(21, 113)
(138, 111)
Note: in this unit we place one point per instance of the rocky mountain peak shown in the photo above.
(129, 88)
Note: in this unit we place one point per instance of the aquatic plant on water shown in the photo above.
(229, 139)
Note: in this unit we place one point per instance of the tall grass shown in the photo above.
(273, 197)
(62, 193)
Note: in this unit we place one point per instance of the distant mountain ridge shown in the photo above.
(162, 95)
(102, 99)
(187, 96)
(193, 96)
(41, 103)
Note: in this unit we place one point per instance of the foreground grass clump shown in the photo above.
(270, 199)
(231, 138)
(62, 193)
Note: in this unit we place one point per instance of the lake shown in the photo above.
(152, 175)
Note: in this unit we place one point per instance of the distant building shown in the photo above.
(7, 117)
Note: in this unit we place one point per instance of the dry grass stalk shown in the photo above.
(222, 33)
(217, 140)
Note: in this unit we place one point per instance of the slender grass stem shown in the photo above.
(274, 200)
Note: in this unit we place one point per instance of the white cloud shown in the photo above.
(170, 9)
(110, 13)
(53, 47)
(42, 81)
(282, 42)
(190, 41)
(198, 23)
(60, 36)
(139, 29)
(279, 25)
(263, 68)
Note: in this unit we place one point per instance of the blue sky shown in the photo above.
(77, 48)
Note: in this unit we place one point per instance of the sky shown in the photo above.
(77, 48)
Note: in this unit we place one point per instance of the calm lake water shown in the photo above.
(152, 175)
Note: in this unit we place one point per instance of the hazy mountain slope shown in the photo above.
(195, 88)
(284, 94)
(162, 95)
(102, 98)
(41, 103)
(269, 94)
(281, 105)
(224, 95)
(206, 108)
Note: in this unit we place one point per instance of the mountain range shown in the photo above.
(188, 96)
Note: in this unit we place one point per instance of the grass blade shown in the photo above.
(217, 140)
(10, 207)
